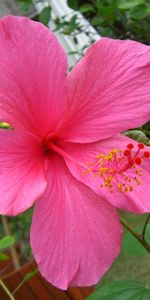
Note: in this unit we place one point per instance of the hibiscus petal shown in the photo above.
(136, 201)
(32, 76)
(21, 171)
(75, 235)
(108, 90)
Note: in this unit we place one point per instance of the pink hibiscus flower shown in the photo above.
(64, 151)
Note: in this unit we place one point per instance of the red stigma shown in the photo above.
(141, 146)
(138, 160)
(146, 154)
(127, 152)
(130, 146)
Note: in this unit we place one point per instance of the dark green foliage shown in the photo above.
(45, 15)
(117, 18)
(20, 226)
(73, 4)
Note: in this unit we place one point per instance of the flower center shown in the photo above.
(51, 144)
(114, 168)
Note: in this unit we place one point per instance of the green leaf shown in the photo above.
(30, 275)
(6, 242)
(73, 4)
(45, 15)
(122, 290)
(73, 23)
(138, 135)
(3, 256)
(147, 126)
(96, 21)
(86, 8)
(147, 234)
(26, 6)
(26, 277)
(128, 4)
(131, 246)
(140, 12)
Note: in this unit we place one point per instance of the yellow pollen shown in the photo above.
(138, 182)
(84, 172)
(133, 166)
(131, 188)
(139, 172)
(115, 151)
(94, 175)
(111, 169)
(109, 157)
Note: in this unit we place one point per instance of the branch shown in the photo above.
(136, 235)
(4, 287)
(13, 251)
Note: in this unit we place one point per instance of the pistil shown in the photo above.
(119, 169)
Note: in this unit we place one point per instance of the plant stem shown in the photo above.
(13, 251)
(18, 287)
(26, 277)
(139, 237)
(145, 226)
(4, 287)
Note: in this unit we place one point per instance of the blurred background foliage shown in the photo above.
(121, 19)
